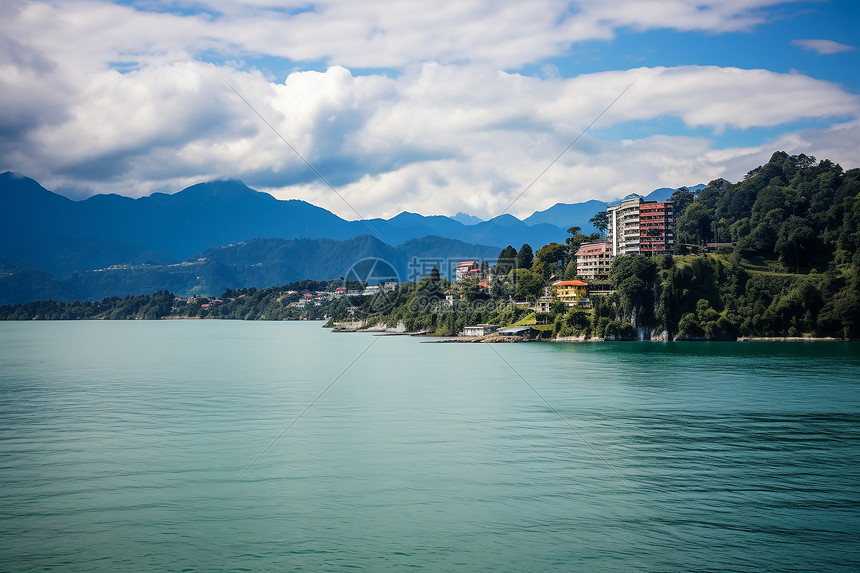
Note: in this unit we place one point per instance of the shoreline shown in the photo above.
(791, 339)
(399, 330)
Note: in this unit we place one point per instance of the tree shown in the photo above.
(761, 239)
(570, 271)
(507, 260)
(525, 257)
(500, 289)
(528, 285)
(473, 291)
(576, 239)
(694, 226)
(796, 243)
(848, 240)
(600, 221)
(547, 259)
(633, 278)
(681, 199)
(428, 291)
(705, 322)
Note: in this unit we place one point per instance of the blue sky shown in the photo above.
(435, 109)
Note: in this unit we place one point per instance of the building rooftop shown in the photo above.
(591, 248)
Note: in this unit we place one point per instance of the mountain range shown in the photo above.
(54, 247)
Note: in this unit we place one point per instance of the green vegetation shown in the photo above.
(786, 263)
(794, 224)
(276, 303)
(422, 307)
(154, 306)
(789, 265)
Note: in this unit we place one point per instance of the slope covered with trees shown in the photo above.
(787, 260)
(774, 255)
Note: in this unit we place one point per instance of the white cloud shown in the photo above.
(367, 34)
(445, 131)
(435, 139)
(823, 47)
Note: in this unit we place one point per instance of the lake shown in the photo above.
(137, 446)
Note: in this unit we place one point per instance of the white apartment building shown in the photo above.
(593, 260)
(623, 231)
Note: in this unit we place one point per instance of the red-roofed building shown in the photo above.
(571, 293)
(467, 269)
(593, 260)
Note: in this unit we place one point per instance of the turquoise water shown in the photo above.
(119, 442)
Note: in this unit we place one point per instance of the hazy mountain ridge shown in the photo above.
(166, 228)
(255, 263)
(665, 193)
(53, 243)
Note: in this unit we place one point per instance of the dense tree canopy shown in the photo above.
(525, 257)
(507, 260)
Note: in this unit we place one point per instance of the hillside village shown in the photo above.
(774, 255)
(632, 226)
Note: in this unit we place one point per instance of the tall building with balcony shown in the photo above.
(656, 227)
(643, 227)
(623, 231)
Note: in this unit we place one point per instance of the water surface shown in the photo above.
(119, 442)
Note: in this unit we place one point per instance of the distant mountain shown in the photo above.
(255, 263)
(49, 243)
(58, 235)
(661, 194)
(664, 193)
(568, 215)
(467, 219)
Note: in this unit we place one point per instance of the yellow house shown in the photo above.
(571, 293)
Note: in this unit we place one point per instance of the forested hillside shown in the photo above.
(793, 269)
(788, 265)
(793, 210)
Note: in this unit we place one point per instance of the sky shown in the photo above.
(370, 108)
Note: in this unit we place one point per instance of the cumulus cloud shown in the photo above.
(823, 47)
(464, 138)
(431, 118)
(435, 139)
(367, 34)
